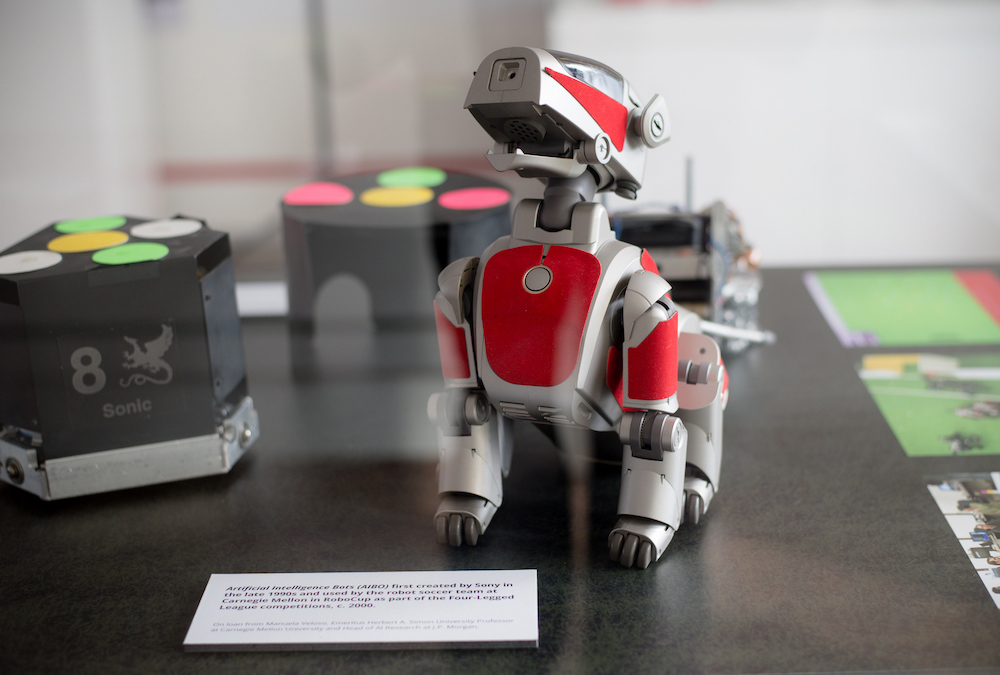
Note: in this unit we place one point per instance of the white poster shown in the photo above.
(367, 610)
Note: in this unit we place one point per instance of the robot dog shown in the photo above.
(560, 323)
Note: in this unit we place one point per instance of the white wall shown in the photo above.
(204, 107)
(235, 122)
(840, 132)
(236, 108)
(76, 136)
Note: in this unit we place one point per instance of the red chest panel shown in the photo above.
(533, 338)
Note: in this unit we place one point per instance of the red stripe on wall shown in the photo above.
(984, 287)
(202, 172)
(278, 169)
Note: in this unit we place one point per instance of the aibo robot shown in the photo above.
(562, 324)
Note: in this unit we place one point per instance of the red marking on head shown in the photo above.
(609, 114)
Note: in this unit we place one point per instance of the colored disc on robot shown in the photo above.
(412, 176)
(394, 197)
(90, 224)
(28, 261)
(87, 241)
(165, 229)
(131, 253)
(319, 194)
(469, 199)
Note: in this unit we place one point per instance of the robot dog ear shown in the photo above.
(653, 124)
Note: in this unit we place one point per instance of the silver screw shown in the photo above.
(14, 471)
(656, 125)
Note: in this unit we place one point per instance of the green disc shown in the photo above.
(412, 176)
(131, 253)
(89, 224)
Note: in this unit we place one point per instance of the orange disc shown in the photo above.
(87, 241)
(395, 197)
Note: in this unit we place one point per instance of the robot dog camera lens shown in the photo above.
(508, 70)
(507, 75)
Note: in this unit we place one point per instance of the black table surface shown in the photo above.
(823, 550)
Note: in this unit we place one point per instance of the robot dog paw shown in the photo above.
(638, 541)
(461, 518)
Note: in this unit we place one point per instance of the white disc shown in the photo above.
(28, 261)
(165, 229)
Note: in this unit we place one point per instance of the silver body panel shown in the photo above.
(133, 466)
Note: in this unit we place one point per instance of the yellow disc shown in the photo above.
(87, 241)
(397, 196)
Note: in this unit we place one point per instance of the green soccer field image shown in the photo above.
(938, 406)
(909, 307)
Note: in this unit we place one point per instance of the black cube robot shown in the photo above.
(394, 230)
(121, 357)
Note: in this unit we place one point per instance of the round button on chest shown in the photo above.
(537, 279)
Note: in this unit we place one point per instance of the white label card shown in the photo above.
(367, 610)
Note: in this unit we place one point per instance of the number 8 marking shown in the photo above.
(86, 361)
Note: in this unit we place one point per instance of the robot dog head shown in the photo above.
(558, 115)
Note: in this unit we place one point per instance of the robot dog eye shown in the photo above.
(594, 73)
(524, 130)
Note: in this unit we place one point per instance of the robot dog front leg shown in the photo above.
(654, 439)
(649, 505)
(475, 448)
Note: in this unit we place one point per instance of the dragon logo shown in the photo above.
(149, 357)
